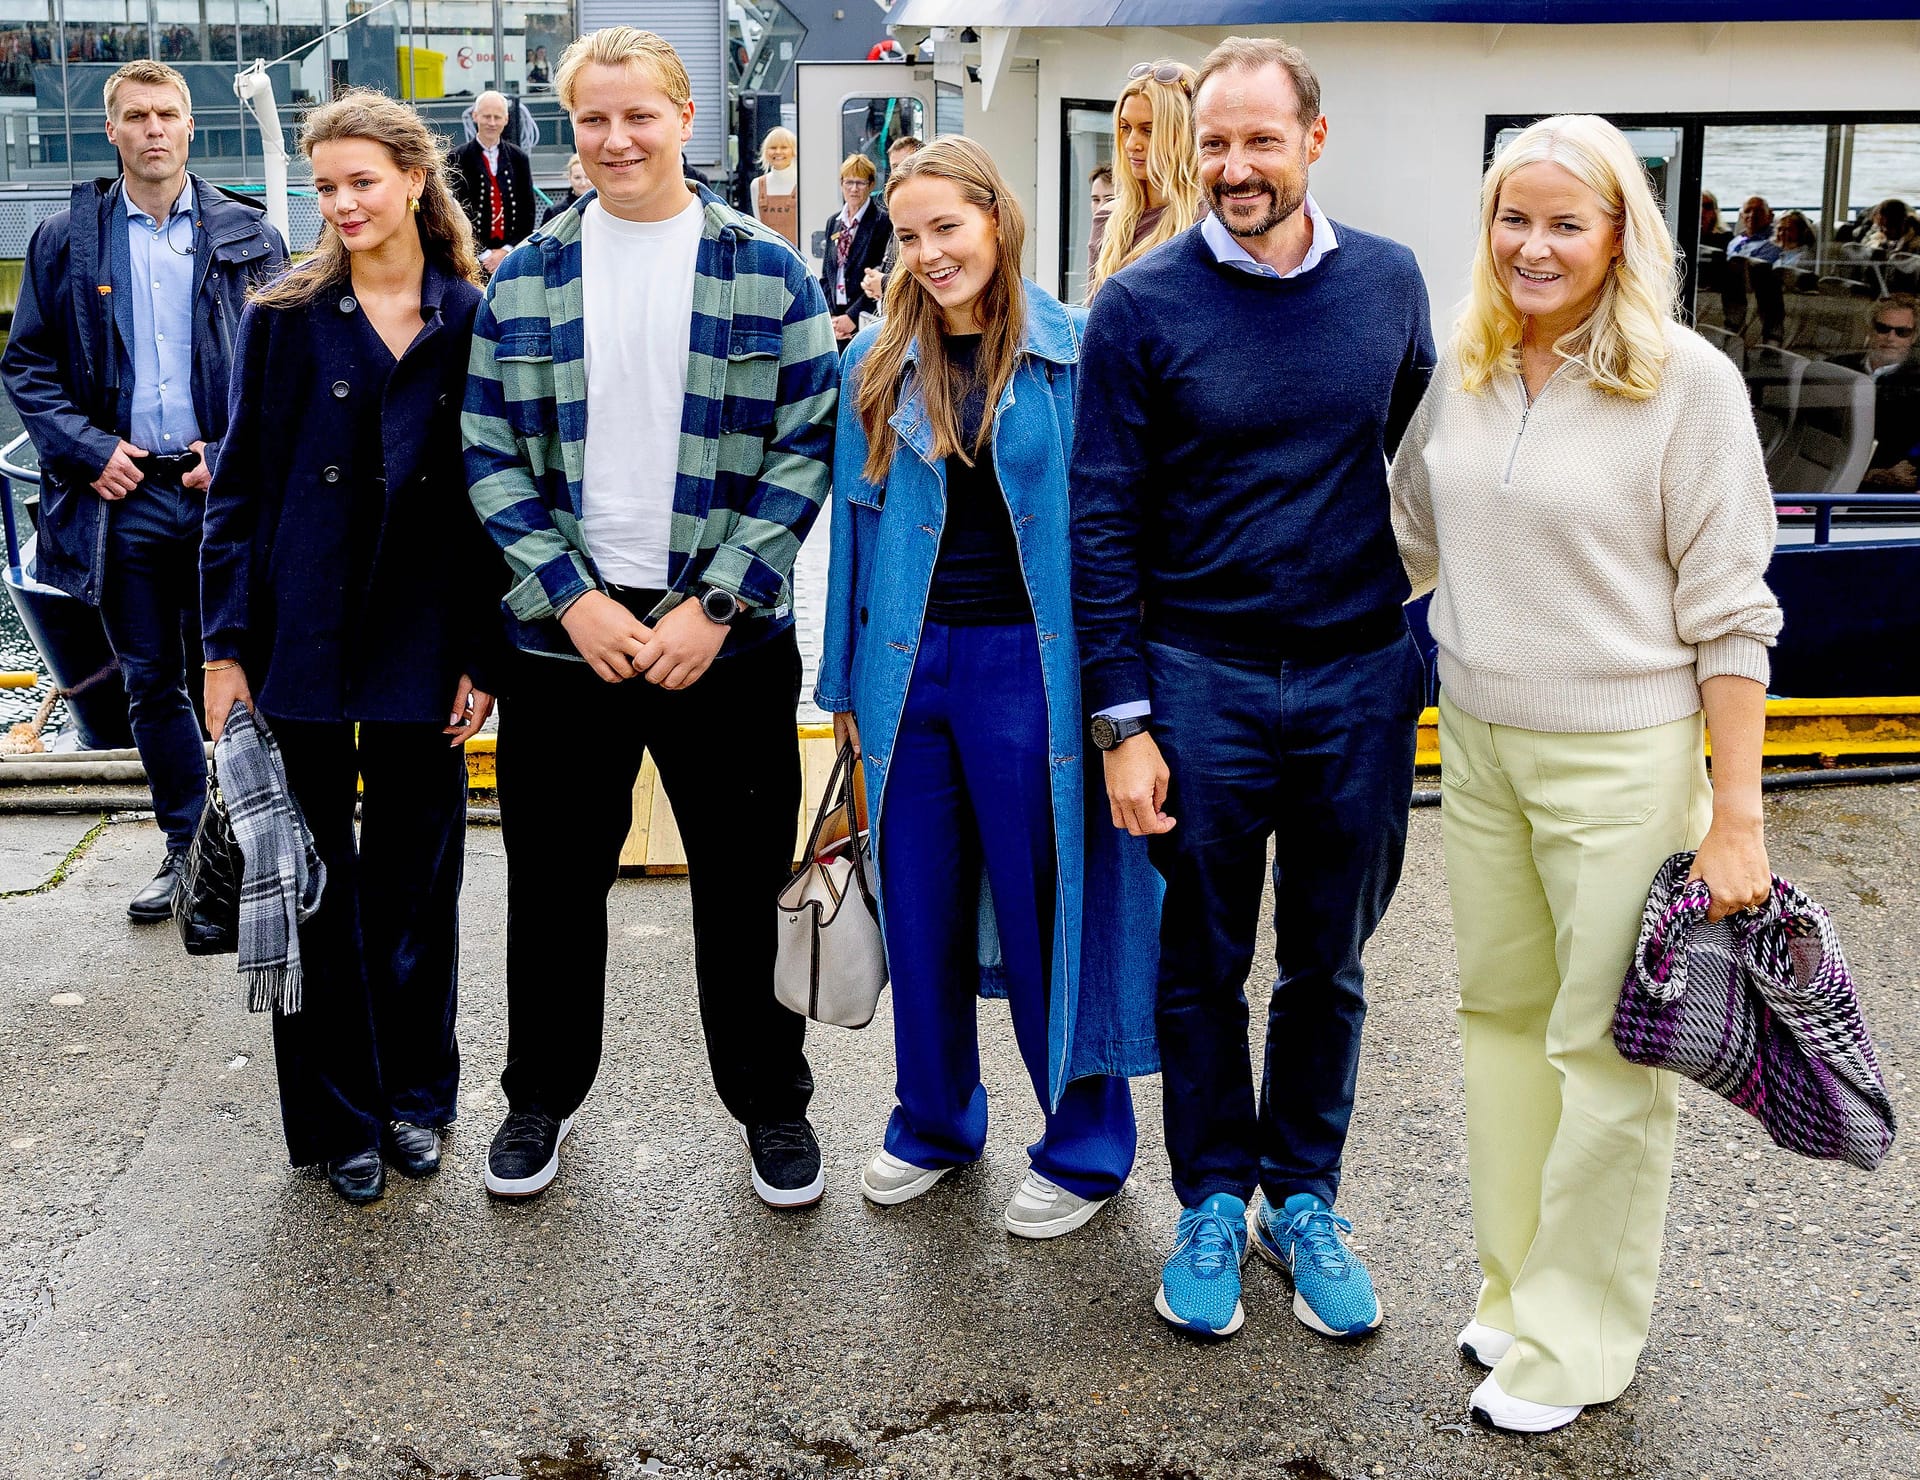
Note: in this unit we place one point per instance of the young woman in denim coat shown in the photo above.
(950, 663)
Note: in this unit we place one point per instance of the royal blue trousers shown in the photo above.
(1316, 757)
(970, 783)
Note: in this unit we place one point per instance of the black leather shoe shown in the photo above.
(359, 1178)
(413, 1149)
(155, 902)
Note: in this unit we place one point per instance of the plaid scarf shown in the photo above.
(281, 884)
(1760, 1009)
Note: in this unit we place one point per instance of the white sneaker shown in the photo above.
(888, 1180)
(1499, 1410)
(1483, 1344)
(1043, 1209)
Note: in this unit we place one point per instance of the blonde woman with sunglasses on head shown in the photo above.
(1575, 422)
(1156, 175)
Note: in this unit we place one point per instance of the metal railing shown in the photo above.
(1823, 505)
(9, 472)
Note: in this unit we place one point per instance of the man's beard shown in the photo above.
(1282, 201)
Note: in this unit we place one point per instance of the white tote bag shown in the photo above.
(832, 964)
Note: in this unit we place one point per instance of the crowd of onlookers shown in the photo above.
(1753, 272)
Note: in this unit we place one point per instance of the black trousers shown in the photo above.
(374, 1038)
(570, 751)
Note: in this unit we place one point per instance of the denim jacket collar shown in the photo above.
(1051, 337)
(1050, 332)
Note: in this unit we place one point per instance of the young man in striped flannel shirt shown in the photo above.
(649, 428)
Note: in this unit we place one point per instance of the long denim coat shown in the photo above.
(885, 539)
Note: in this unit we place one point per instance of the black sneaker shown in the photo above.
(525, 1155)
(786, 1163)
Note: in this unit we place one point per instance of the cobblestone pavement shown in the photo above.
(175, 1302)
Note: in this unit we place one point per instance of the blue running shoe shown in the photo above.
(1200, 1282)
(1332, 1291)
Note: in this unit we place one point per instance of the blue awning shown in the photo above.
(1047, 13)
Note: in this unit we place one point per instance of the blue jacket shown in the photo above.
(1107, 905)
(343, 564)
(69, 366)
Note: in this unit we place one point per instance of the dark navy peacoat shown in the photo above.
(69, 363)
(343, 563)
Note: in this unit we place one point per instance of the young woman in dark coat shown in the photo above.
(346, 583)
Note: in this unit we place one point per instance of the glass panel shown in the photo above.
(763, 39)
(869, 125)
(1088, 143)
(537, 31)
(1793, 288)
(949, 109)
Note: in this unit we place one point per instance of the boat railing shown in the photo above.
(9, 471)
(1823, 505)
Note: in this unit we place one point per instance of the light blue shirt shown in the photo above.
(1227, 250)
(161, 265)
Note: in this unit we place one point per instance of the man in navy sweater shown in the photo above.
(1247, 663)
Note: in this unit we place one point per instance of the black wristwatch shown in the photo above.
(720, 606)
(1108, 732)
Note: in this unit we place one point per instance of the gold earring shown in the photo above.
(413, 204)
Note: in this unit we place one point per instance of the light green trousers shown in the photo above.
(1551, 843)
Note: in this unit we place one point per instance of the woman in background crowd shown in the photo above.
(776, 201)
(1794, 235)
(1156, 178)
(577, 188)
(1575, 418)
(856, 240)
(956, 418)
(1100, 188)
(1892, 228)
(352, 600)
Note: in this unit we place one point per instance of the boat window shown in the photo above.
(869, 126)
(1086, 144)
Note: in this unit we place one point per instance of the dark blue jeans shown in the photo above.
(970, 785)
(374, 1040)
(1316, 756)
(150, 607)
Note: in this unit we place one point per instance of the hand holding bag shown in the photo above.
(206, 911)
(1760, 1009)
(831, 964)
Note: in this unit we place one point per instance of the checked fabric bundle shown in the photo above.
(1759, 1008)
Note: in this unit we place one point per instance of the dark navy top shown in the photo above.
(1229, 477)
(976, 579)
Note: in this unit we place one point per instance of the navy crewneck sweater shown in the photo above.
(1229, 480)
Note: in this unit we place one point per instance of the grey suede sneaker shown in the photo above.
(1043, 1209)
(889, 1180)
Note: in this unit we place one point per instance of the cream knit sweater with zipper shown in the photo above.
(1593, 559)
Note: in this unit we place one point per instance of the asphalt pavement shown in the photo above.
(176, 1302)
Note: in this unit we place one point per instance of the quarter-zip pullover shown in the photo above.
(1593, 559)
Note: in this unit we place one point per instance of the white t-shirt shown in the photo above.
(637, 283)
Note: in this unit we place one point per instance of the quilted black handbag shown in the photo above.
(206, 911)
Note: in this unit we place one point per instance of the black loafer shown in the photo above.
(359, 1178)
(155, 902)
(413, 1149)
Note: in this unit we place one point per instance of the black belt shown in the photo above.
(167, 467)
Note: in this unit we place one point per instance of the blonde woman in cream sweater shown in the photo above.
(1583, 490)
